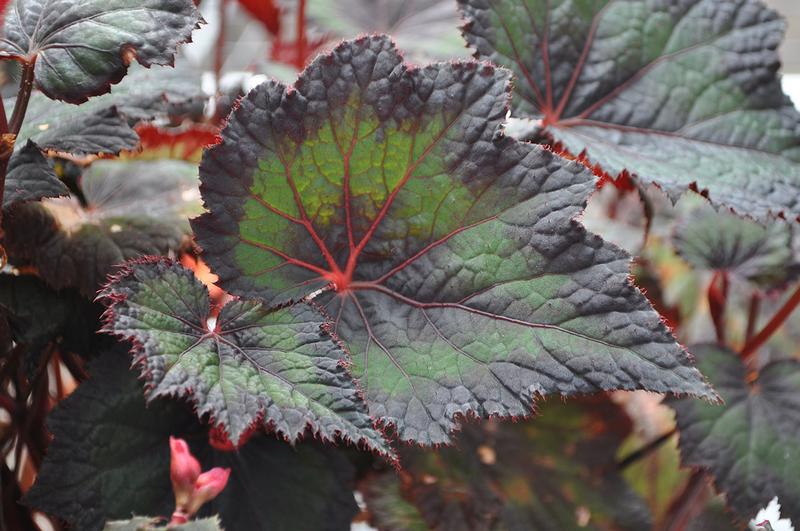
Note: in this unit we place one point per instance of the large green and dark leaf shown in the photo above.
(752, 444)
(79, 48)
(682, 94)
(130, 209)
(556, 473)
(461, 281)
(109, 459)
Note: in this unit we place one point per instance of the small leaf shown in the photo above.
(104, 125)
(82, 47)
(463, 283)
(424, 29)
(254, 365)
(110, 455)
(133, 209)
(720, 241)
(110, 458)
(40, 317)
(751, 445)
(30, 177)
(555, 473)
(681, 94)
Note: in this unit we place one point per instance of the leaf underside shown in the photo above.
(538, 475)
(463, 283)
(133, 209)
(763, 254)
(751, 444)
(258, 365)
(682, 94)
(81, 47)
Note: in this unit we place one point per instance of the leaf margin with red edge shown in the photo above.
(345, 419)
(734, 138)
(531, 176)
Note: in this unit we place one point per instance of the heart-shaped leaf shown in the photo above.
(81, 47)
(254, 365)
(763, 254)
(30, 177)
(462, 282)
(751, 445)
(131, 209)
(553, 474)
(683, 94)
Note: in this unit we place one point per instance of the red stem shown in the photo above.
(20, 107)
(23, 96)
(752, 315)
(301, 34)
(717, 299)
(689, 503)
(772, 326)
(219, 57)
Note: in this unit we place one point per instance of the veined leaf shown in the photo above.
(682, 94)
(751, 444)
(104, 125)
(764, 254)
(30, 177)
(462, 283)
(254, 365)
(81, 47)
(553, 474)
(132, 209)
(426, 29)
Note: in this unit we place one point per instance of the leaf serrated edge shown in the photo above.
(110, 298)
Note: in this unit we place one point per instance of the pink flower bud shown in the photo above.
(207, 487)
(184, 471)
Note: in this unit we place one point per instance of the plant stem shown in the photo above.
(645, 450)
(686, 506)
(219, 57)
(777, 320)
(717, 299)
(7, 143)
(752, 315)
(300, 47)
(23, 97)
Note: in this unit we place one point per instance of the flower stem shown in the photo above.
(772, 326)
(300, 47)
